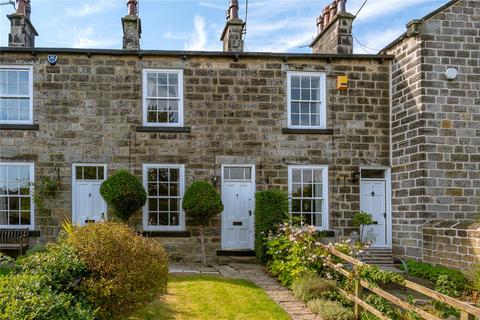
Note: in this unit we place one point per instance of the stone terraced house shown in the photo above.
(396, 134)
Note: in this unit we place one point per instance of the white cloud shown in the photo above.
(373, 42)
(198, 39)
(92, 7)
(220, 5)
(85, 37)
(281, 43)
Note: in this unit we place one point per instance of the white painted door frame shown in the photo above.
(388, 198)
(252, 203)
(74, 165)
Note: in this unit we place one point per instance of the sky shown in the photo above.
(272, 25)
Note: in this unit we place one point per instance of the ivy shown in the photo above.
(45, 188)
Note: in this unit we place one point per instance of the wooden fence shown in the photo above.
(467, 311)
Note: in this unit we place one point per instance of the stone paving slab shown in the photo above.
(255, 273)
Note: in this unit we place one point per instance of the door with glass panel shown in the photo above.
(238, 188)
(88, 205)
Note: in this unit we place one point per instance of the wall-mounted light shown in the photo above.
(451, 74)
(355, 177)
(214, 181)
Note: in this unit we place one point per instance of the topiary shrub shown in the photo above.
(125, 269)
(202, 203)
(124, 193)
(309, 286)
(330, 310)
(271, 209)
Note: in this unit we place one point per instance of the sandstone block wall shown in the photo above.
(436, 124)
(453, 244)
(88, 109)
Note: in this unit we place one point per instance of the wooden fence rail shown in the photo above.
(467, 311)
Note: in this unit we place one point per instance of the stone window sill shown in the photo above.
(306, 131)
(9, 126)
(167, 234)
(163, 129)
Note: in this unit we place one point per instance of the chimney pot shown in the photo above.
(132, 7)
(326, 15)
(22, 7)
(333, 10)
(341, 5)
(232, 12)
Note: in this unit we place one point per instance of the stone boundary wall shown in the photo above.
(451, 243)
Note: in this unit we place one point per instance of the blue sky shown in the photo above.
(273, 25)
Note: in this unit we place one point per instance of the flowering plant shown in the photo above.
(294, 250)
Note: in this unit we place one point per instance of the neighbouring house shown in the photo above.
(342, 132)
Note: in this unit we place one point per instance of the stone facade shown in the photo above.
(435, 126)
(89, 105)
(450, 243)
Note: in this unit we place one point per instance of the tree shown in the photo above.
(202, 203)
(362, 219)
(124, 193)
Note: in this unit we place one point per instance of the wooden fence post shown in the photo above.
(358, 292)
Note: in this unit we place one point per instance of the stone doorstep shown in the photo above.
(295, 308)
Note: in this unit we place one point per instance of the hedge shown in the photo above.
(271, 209)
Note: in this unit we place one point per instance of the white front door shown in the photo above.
(88, 205)
(373, 201)
(238, 189)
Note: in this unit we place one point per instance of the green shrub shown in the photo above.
(309, 286)
(124, 193)
(447, 281)
(43, 285)
(384, 306)
(271, 209)
(125, 269)
(56, 263)
(294, 250)
(202, 203)
(330, 310)
(26, 296)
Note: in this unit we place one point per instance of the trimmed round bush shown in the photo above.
(309, 286)
(124, 193)
(330, 310)
(202, 203)
(271, 209)
(125, 269)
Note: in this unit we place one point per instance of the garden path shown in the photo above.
(256, 274)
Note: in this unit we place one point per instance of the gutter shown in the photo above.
(165, 53)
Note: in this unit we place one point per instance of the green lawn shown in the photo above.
(209, 297)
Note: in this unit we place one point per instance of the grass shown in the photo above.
(209, 297)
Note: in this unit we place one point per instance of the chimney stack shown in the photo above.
(232, 35)
(22, 31)
(132, 27)
(334, 30)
